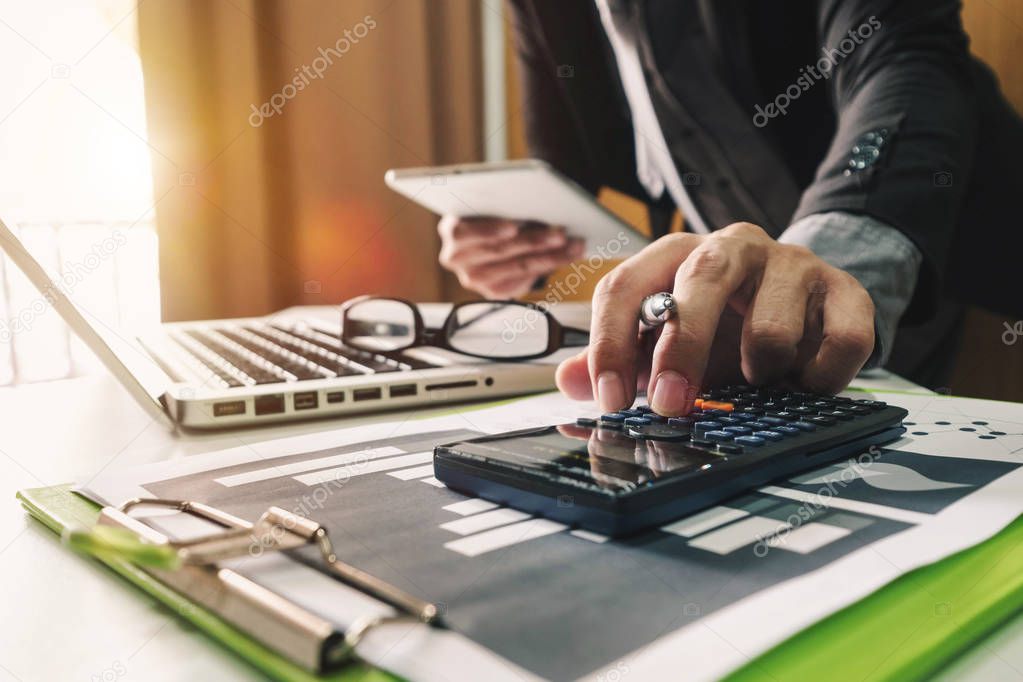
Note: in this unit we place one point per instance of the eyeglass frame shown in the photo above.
(558, 335)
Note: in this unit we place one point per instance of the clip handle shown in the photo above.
(121, 543)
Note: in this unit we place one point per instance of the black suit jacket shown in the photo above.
(948, 174)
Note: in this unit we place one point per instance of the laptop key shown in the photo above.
(207, 359)
(320, 357)
(358, 362)
(259, 374)
(301, 370)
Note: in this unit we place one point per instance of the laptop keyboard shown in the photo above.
(247, 355)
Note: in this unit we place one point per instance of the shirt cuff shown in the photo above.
(883, 259)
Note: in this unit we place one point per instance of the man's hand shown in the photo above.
(501, 258)
(748, 307)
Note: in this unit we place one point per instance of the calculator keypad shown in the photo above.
(738, 419)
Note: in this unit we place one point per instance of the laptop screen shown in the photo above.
(118, 352)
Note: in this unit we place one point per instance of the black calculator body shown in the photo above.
(633, 470)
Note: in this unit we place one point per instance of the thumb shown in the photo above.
(573, 377)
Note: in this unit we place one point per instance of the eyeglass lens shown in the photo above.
(380, 324)
(499, 330)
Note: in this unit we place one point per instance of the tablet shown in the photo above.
(526, 190)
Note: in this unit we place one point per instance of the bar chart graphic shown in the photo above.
(390, 516)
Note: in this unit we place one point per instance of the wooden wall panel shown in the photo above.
(987, 366)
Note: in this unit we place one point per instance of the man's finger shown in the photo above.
(613, 343)
(506, 273)
(704, 283)
(848, 338)
(460, 255)
(476, 230)
(573, 377)
(773, 325)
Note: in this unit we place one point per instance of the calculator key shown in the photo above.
(703, 427)
(750, 440)
(730, 448)
(738, 430)
(787, 430)
(773, 421)
(637, 421)
(821, 420)
(875, 404)
(804, 426)
(713, 412)
(656, 418)
(613, 417)
(701, 442)
(742, 417)
(838, 414)
(644, 408)
(858, 409)
(657, 432)
(755, 425)
(753, 410)
(631, 413)
(769, 435)
(718, 436)
(784, 414)
(730, 421)
(586, 421)
(802, 410)
(680, 422)
(611, 426)
(718, 405)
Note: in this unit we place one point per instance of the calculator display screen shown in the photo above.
(610, 459)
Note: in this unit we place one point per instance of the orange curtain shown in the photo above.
(271, 125)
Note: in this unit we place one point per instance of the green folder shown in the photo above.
(905, 631)
(58, 508)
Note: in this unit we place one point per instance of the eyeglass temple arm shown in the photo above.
(374, 328)
(575, 337)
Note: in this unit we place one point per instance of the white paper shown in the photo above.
(707, 646)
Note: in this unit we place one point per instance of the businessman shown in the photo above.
(845, 169)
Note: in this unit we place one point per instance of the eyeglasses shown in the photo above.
(492, 330)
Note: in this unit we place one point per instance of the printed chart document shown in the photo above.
(530, 598)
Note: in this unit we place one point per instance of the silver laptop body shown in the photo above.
(286, 366)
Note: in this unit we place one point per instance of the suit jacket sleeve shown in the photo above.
(901, 68)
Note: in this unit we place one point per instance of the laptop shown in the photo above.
(286, 366)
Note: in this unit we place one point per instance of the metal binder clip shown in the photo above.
(190, 566)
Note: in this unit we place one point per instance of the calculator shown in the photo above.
(631, 470)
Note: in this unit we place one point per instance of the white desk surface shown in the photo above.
(65, 618)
